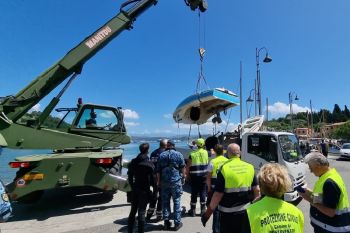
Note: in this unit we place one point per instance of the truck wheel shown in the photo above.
(115, 170)
(31, 197)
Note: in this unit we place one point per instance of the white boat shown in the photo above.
(252, 124)
(198, 108)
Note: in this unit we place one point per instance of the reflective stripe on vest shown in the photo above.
(237, 190)
(342, 214)
(238, 176)
(274, 215)
(200, 161)
(233, 209)
(329, 227)
(343, 211)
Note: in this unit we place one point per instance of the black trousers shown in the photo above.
(236, 221)
(198, 187)
(138, 204)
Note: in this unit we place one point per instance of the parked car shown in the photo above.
(334, 149)
(345, 151)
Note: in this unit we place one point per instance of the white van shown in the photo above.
(259, 148)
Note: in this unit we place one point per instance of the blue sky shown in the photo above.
(152, 68)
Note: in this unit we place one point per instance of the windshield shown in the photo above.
(346, 146)
(290, 148)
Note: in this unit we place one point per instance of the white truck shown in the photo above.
(262, 147)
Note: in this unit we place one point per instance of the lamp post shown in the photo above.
(291, 95)
(267, 59)
(250, 99)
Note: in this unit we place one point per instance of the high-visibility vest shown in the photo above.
(238, 176)
(341, 221)
(200, 161)
(274, 215)
(217, 163)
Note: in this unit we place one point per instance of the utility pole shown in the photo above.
(312, 121)
(255, 97)
(267, 109)
(240, 93)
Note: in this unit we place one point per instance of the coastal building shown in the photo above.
(303, 133)
(327, 130)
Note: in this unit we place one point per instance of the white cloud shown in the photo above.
(168, 116)
(130, 114)
(107, 114)
(280, 109)
(35, 108)
(131, 124)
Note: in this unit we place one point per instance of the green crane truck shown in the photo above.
(87, 152)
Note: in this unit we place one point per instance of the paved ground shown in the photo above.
(62, 212)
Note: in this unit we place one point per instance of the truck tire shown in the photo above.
(116, 169)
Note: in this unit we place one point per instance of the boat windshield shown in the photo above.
(290, 148)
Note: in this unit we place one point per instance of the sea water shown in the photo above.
(7, 155)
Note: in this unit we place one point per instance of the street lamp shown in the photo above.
(291, 95)
(267, 59)
(250, 99)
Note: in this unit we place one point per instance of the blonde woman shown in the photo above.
(271, 213)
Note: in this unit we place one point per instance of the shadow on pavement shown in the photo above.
(343, 159)
(62, 202)
(151, 226)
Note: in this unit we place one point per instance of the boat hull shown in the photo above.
(198, 108)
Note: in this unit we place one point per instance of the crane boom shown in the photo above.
(18, 133)
(14, 107)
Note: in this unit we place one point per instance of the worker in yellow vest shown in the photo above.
(329, 210)
(197, 171)
(271, 213)
(213, 168)
(235, 188)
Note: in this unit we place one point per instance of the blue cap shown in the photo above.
(171, 142)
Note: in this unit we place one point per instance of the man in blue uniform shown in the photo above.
(157, 197)
(170, 176)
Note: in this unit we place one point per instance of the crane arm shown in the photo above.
(14, 107)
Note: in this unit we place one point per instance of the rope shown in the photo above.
(228, 120)
(201, 50)
(189, 135)
(199, 133)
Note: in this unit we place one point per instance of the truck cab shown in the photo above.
(259, 148)
(97, 121)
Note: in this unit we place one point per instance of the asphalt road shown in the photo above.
(64, 212)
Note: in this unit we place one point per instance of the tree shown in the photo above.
(325, 116)
(346, 112)
(338, 115)
(342, 132)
